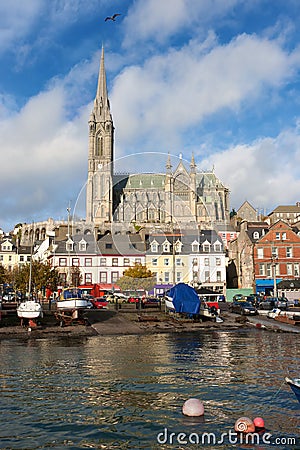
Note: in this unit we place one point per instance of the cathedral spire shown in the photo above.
(102, 108)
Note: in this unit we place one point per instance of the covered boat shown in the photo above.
(30, 309)
(184, 299)
(294, 383)
(72, 298)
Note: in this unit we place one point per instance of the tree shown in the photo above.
(42, 276)
(137, 277)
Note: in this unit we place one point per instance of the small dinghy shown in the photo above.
(30, 309)
(294, 384)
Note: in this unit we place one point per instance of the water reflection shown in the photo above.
(119, 392)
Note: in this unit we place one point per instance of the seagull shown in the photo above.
(113, 18)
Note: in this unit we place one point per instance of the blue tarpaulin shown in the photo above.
(185, 299)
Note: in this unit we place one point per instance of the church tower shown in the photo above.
(100, 159)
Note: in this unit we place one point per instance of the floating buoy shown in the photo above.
(259, 422)
(244, 425)
(193, 408)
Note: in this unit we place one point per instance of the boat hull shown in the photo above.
(295, 386)
(76, 303)
(30, 310)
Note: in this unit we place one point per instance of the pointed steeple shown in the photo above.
(168, 164)
(193, 164)
(101, 104)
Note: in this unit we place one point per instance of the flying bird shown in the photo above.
(113, 18)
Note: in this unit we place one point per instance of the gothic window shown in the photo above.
(99, 146)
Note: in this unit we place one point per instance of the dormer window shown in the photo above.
(166, 246)
(82, 245)
(206, 246)
(178, 246)
(256, 235)
(69, 245)
(218, 247)
(195, 246)
(154, 247)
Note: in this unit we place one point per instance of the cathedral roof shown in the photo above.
(141, 181)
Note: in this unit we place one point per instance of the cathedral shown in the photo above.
(181, 196)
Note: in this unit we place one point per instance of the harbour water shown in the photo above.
(127, 392)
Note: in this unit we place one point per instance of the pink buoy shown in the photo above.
(193, 408)
(259, 422)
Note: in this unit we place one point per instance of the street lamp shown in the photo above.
(274, 258)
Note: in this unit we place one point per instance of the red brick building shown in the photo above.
(277, 251)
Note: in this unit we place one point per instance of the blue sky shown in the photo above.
(217, 78)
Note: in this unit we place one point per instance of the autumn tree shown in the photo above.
(42, 276)
(137, 277)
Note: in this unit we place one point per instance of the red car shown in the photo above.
(99, 303)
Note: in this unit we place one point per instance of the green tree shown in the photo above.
(137, 277)
(42, 276)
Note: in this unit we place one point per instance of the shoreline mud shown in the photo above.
(109, 322)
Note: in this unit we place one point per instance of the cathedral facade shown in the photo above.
(181, 196)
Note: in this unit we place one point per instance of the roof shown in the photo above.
(286, 208)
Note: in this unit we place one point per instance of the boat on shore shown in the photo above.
(294, 384)
(72, 298)
(30, 309)
(210, 310)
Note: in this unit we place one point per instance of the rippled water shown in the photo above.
(126, 392)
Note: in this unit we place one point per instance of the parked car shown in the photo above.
(150, 302)
(244, 308)
(99, 303)
(238, 297)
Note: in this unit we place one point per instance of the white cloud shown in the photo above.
(265, 172)
(157, 21)
(177, 90)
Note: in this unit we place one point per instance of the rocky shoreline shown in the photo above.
(110, 322)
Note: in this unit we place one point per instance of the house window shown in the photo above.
(206, 261)
(274, 252)
(218, 261)
(108, 245)
(114, 277)
(178, 262)
(82, 246)
(103, 277)
(218, 247)
(28, 258)
(166, 261)
(167, 277)
(219, 275)
(154, 261)
(260, 253)
(126, 262)
(1, 257)
(289, 252)
(256, 235)
(75, 261)
(154, 247)
(115, 262)
(88, 278)
(62, 262)
(178, 277)
(269, 270)
(277, 236)
(195, 247)
(261, 269)
(88, 262)
(138, 261)
(289, 269)
(102, 262)
(166, 247)
(69, 246)
(283, 237)
(296, 269)
(206, 275)
(206, 248)
(21, 258)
